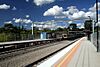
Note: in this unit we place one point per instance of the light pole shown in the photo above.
(93, 22)
(33, 30)
(19, 31)
(97, 25)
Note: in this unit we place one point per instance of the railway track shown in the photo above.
(31, 56)
(34, 64)
(11, 53)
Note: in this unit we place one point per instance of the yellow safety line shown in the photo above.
(69, 56)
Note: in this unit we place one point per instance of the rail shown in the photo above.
(26, 43)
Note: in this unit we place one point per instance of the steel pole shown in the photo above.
(19, 31)
(33, 30)
(93, 26)
(97, 25)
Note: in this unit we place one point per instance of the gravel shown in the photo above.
(30, 57)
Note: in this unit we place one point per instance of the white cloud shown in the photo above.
(36, 25)
(99, 17)
(46, 24)
(80, 25)
(98, 24)
(98, 20)
(72, 9)
(58, 12)
(13, 18)
(19, 20)
(70, 22)
(27, 16)
(54, 11)
(66, 13)
(27, 21)
(91, 14)
(8, 22)
(60, 27)
(14, 8)
(27, 0)
(41, 2)
(83, 15)
(4, 6)
(78, 15)
(60, 17)
(72, 12)
(93, 9)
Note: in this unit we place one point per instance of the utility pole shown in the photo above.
(19, 33)
(93, 26)
(97, 25)
(33, 30)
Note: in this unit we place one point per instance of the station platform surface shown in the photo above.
(80, 54)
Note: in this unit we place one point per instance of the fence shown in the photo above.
(94, 39)
(4, 37)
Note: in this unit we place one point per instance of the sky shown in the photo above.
(39, 11)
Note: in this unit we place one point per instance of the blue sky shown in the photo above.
(28, 11)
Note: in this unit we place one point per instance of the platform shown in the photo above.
(80, 54)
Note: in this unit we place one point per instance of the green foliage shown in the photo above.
(6, 37)
(9, 32)
(72, 26)
(3, 37)
(59, 29)
(88, 25)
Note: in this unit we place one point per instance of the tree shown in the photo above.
(59, 29)
(10, 28)
(88, 25)
(72, 26)
(2, 29)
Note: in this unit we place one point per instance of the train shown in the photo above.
(67, 35)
